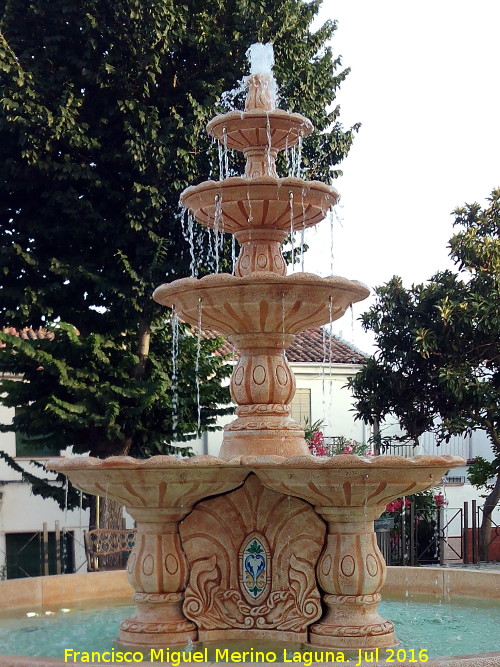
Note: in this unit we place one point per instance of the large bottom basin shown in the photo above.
(64, 590)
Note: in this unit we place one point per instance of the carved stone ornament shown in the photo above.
(242, 563)
(252, 555)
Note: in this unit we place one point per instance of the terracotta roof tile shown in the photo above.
(311, 346)
(28, 334)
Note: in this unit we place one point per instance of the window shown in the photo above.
(35, 446)
(25, 554)
(301, 406)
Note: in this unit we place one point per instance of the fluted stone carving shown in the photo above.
(252, 554)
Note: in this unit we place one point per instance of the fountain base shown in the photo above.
(352, 622)
(225, 548)
(158, 621)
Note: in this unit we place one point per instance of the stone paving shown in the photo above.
(472, 566)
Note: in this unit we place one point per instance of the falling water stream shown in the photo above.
(175, 354)
(287, 157)
(330, 351)
(225, 154)
(303, 230)
(197, 367)
(331, 220)
(217, 225)
(295, 169)
(269, 142)
(220, 151)
(187, 223)
(233, 253)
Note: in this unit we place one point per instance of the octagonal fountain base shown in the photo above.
(275, 547)
(452, 585)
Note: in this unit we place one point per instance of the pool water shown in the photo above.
(438, 628)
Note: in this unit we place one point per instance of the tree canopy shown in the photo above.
(103, 107)
(437, 367)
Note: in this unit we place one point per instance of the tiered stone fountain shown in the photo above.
(280, 523)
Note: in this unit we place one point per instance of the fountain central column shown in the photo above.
(262, 385)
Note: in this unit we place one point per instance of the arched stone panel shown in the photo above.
(252, 555)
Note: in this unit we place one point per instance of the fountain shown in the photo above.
(265, 541)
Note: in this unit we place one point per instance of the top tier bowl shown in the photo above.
(240, 130)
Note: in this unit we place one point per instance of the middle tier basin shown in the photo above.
(238, 203)
(261, 302)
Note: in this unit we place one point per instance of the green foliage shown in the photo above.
(438, 343)
(311, 428)
(80, 390)
(437, 367)
(482, 472)
(103, 108)
(344, 445)
(255, 548)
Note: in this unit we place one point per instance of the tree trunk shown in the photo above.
(485, 530)
(108, 513)
(142, 349)
(110, 516)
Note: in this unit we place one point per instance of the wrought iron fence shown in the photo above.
(43, 552)
(448, 536)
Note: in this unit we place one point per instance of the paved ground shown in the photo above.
(472, 566)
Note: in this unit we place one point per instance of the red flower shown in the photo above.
(317, 438)
(440, 500)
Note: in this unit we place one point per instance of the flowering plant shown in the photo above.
(425, 504)
(395, 506)
(316, 444)
(340, 445)
(343, 445)
(440, 500)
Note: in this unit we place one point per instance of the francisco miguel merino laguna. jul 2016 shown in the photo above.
(307, 658)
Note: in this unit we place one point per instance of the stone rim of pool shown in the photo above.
(61, 590)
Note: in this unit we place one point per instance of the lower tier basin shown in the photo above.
(262, 548)
(444, 588)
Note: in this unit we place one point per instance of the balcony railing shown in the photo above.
(458, 445)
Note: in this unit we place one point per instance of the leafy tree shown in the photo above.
(102, 116)
(437, 367)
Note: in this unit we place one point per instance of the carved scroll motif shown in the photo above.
(221, 531)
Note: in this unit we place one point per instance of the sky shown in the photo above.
(424, 84)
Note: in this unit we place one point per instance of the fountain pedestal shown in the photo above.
(157, 570)
(351, 572)
(158, 493)
(349, 493)
(263, 385)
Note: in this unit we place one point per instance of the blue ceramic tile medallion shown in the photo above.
(254, 567)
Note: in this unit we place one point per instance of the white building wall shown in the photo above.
(20, 511)
(331, 400)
